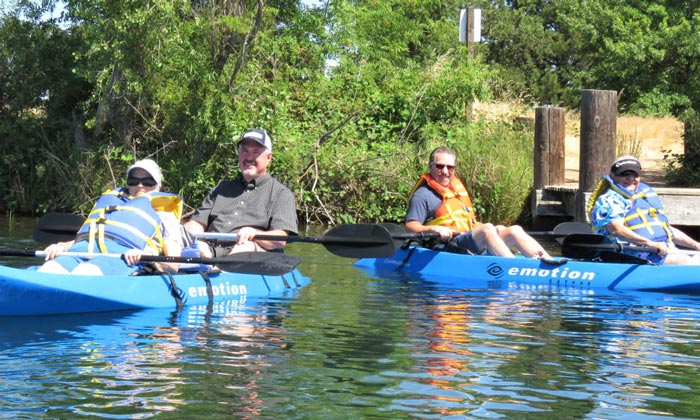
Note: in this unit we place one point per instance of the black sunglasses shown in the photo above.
(146, 182)
(441, 166)
(628, 173)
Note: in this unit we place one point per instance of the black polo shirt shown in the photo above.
(263, 203)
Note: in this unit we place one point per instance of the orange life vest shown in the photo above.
(456, 210)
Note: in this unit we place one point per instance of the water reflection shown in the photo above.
(520, 354)
(141, 362)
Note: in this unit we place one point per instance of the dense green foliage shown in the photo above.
(648, 51)
(355, 93)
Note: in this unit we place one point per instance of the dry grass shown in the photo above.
(647, 138)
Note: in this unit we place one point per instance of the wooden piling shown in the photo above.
(549, 151)
(598, 142)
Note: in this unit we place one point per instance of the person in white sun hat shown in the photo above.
(134, 220)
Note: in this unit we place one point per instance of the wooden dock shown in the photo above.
(554, 200)
(681, 205)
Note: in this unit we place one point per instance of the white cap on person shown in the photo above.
(149, 166)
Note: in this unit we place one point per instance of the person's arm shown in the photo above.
(248, 234)
(418, 227)
(618, 228)
(283, 221)
(418, 213)
(681, 239)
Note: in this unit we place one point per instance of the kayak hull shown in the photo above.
(466, 271)
(27, 292)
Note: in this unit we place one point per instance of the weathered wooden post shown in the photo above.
(598, 143)
(549, 156)
(470, 28)
(470, 33)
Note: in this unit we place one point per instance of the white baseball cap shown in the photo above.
(149, 166)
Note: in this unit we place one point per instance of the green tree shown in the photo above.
(39, 96)
(355, 93)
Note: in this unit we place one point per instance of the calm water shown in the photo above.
(353, 346)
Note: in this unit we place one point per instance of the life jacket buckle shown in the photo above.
(110, 209)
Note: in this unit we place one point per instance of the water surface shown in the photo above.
(354, 346)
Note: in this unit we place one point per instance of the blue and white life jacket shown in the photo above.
(645, 216)
(132, 221)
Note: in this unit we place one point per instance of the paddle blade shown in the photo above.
(360, 241)
(569, 228)
(584, 246)
(262, 263)
(57, 227)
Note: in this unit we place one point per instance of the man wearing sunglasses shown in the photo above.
(131, 221)
(629, 211)
(440, 203)
(252, 203)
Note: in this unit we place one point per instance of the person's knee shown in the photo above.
(516, 230)
(514, 234)
(488, 229)
(52, 267)
(87, 269)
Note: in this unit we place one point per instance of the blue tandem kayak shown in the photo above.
(465, 271)
(27, 292)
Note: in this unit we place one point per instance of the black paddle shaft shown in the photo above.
(589, 246)
(259, 263)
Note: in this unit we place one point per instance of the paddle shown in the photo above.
(588, 246)
(398, 234)
(350, 241)
(57, 227)
(560, 230)
(261, 263)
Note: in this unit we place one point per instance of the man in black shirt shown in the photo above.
(253, 203)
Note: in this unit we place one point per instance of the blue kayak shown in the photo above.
(482, 271)
(27, 292)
